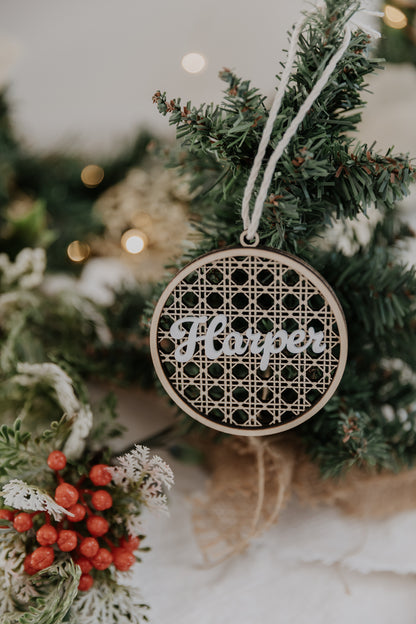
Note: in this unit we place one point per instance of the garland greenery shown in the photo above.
(70, 513)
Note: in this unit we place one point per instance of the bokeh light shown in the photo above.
(78, 251)
(394, 17)
(193, 62)
(92, 175)
(133, 241)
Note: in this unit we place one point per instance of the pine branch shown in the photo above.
(322, 175)
(377, 295)
(350, 439)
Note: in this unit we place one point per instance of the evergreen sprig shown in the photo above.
(13, 447)
(22, 453)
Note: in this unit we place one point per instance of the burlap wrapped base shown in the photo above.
(253, 478)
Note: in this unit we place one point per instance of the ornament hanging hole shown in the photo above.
(245, 242)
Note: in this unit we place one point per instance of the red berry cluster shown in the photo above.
(90, 544)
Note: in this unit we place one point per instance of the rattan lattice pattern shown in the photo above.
(265, 291)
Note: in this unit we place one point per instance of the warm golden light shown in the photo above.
(394, 17)
(133, 241)
(77, 251)
(92, 175)
(193, 62)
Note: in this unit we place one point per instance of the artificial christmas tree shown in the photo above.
(324, 181)
(324, 177)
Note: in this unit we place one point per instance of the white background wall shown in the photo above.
(87, 69)
(83, 72)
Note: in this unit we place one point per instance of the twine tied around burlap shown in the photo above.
(252, 480)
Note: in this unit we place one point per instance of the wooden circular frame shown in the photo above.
(300, 267)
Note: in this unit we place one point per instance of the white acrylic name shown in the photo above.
(234, 343)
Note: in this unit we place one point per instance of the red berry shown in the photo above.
(97, 526)
(6, 514)
(46, 535)
(89, 547)
(101, 500)
(85, 564)
(123, 559)
(67, 540)
(102, 560)
(42, 557)
(66, 495)
(100, 475)
(79, 512)
(56, 460)
(22, 522)
(131, 543)
(28, 567)
(85, 582)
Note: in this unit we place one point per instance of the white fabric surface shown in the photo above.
(316, 566)
(313, 567)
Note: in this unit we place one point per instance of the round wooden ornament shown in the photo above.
(249, 340)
